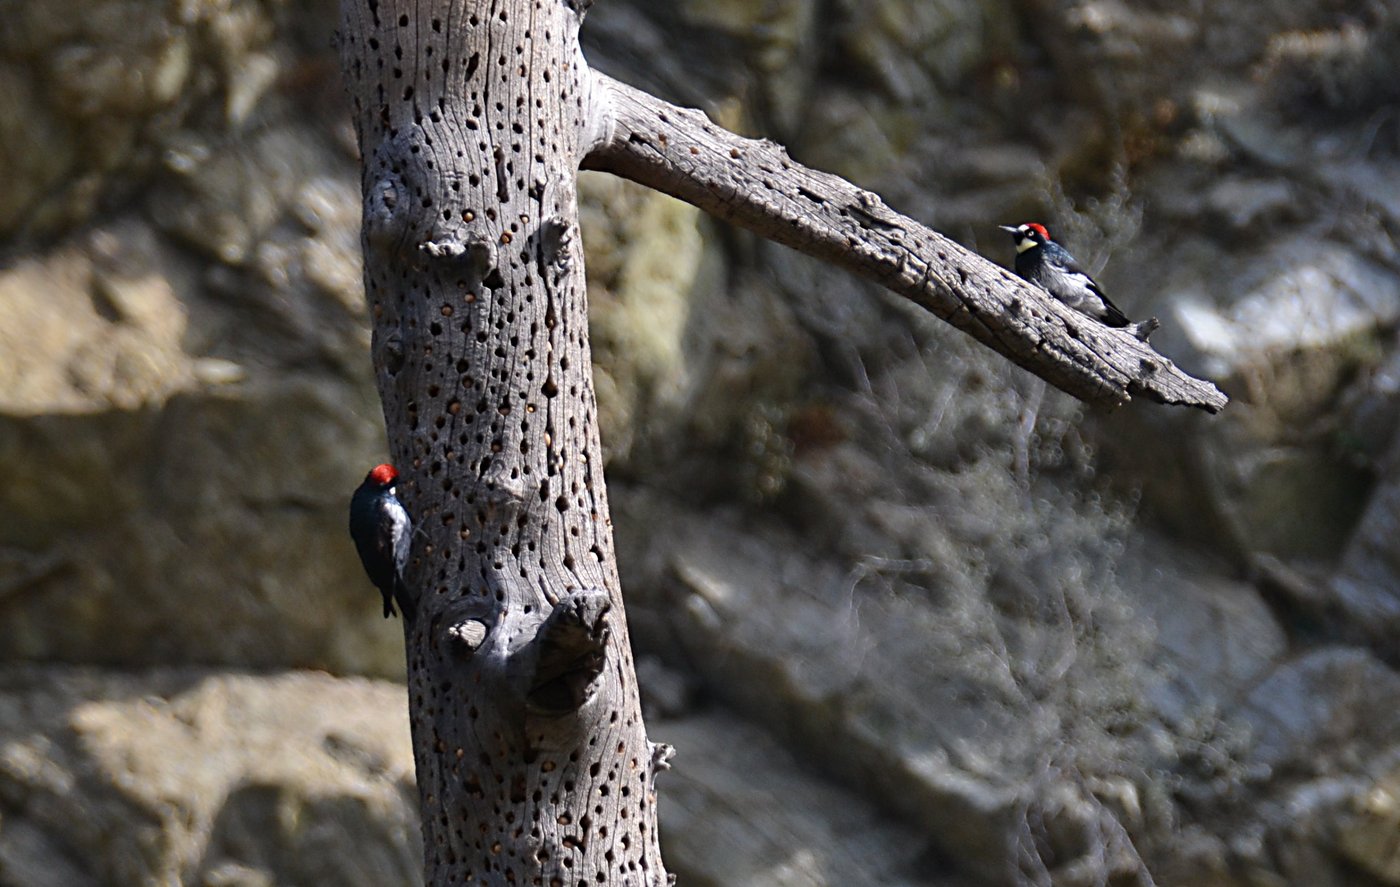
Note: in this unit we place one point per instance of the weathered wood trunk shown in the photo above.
(533, 764)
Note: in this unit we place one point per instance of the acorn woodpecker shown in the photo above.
(1048, 265)
(383, 533)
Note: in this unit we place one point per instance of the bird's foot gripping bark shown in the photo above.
(569, 653)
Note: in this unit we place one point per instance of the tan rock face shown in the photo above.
(156, 415)
(195, 777)
(96, 326)
(93, 89)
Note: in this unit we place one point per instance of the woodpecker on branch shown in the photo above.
(383, 533)
(1049, 266)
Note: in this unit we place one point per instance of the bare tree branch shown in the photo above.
(754, 184)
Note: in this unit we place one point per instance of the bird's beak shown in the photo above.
(1010, 228)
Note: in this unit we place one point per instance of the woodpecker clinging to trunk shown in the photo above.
(383, 533)
(1049, 266)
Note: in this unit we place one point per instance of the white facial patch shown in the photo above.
(1023, 243)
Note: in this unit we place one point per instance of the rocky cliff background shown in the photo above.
(909, 617)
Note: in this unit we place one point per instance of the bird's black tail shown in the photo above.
(404, 600)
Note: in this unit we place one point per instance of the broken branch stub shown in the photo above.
(569, 652)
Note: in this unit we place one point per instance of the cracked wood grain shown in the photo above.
(754, 184)
(533, 764)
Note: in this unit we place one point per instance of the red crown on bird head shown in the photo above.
(1039, 229)
(383, 474)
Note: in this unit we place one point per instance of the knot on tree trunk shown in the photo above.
(474, 258)
(385, 219)
(568, 653)
(555, 247)
(468, 635)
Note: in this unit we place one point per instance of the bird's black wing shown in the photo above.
(1112, 315)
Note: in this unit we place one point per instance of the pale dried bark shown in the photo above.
(753, 183)
(473, 118)
(533, 765)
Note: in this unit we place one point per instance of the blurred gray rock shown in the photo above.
(1324, 744)
(1296, 295)
(1214, 637)
(792, 830)
(1369, 822)
(938, 703)
(1366, 586)
(187, 776)
(1328, 709)
(173, 511)
(92, 89)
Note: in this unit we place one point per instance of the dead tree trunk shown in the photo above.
(533, 765)
(473, 118)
